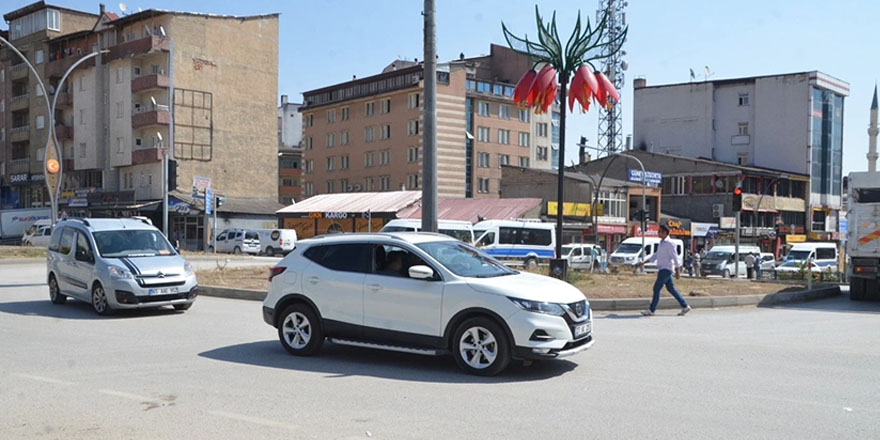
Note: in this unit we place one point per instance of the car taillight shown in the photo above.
(275, 271)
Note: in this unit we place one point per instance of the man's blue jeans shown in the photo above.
(664, 278)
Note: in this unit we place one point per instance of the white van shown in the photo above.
(580, 256)
(630, 252)
(517, 241)
(457, 229)
(38, 234)
(823, 254)
(720, 260)
(237, 241)
(276, 241)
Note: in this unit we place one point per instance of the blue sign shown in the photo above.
(651, 177)
(843, 225)
(209, 199)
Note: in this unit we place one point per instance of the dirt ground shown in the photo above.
(7, 252)
(594, 286)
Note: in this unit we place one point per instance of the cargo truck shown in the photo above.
(863, 236)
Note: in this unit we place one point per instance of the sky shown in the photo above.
(326, 42)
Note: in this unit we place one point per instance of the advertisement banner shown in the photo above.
(569, 209)
(704, 229)
(727, 222)
(200, 185)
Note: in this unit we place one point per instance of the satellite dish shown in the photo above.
(159, 135)
(153, 100)
(123, 7)
(624, 65)
(162, 30)
(147, 30)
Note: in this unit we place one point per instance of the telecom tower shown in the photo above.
(610, 138)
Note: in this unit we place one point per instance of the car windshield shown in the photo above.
(465, 261)
(798, 255)
(719, 256)
(132, 243)
(398, 229)
(566, 250)
(629, 248)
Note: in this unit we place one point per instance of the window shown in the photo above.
(742, 159)
(483, 134)
(343, 185)
(82, 117)
(385, 106)
(119, 75)
(120, 146)
(83, 249)
(329, 186)
(369, 159)
(309, 165)
(504, 137)
(331, 139)
(524, 115)
(826, 253)
(344, 113)
(503, 111)
(414, 100)
(743, 128)
(343, 162)
(541, 129)
(343, 138)
(39, 57)
(41, 154)
(385, 131)
(483, 108)
(369, 184)
(368, 134)
(308, 120)
(308, 188)
(498, 89)
(394, 261)
(40, 121)
(307, 143)
(384, 183)
(483, 87)
(82, 149)
(120, 112)
(331, 163)
(743, 99)
(542, 153)
(331, 116)
(82, 85)
(523, 139)
(503, 159)
(287, 162)
(370, 109)
(38, 90)
(483, 186)
(483, 160)
(136, 71)
(66, 241)
(470, 84)
(384, 157)
(53, 20)
(524, 161)
(412, 181)
(413, 127)
(412, 154)
(539, 237)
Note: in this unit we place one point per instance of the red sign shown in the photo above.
(653, 231)
(611, 229)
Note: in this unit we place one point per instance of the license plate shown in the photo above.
(163, 291)
(582, 329)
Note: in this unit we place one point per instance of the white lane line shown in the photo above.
(44, 379)
(255, 420)
(128, 396)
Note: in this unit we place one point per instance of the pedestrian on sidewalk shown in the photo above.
(750, 265)
(697, 264)
(689, 264)
(758, 263)
(667, 263)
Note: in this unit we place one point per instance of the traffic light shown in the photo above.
(219, 201)
(737, 198)
(172, 175)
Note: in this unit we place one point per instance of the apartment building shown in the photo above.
(289, 152)
(366, 134)
(790, 122)
(199, 87)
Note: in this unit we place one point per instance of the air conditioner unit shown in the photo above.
(357, 187)
(717, 210)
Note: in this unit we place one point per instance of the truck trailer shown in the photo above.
(863, 236)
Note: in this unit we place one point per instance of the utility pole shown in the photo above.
(429, 134)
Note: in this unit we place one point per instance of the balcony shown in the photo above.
(57, 68)
(160, 115)
(65, 100)
(148, 82)
(20, 133)
(63, 132)
(18, 71)
(19, 102)
(146, 155)
(21, 165)
(149, 44)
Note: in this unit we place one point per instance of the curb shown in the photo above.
(232, 293)
(770, 299)
(21, 260)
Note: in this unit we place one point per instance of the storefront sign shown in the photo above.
(569, 209)
(316, 215)
(77, 203)
(678, 228)
(110, 198)
(818, 236)
(653, 231)
(727, 222)
(179, 207)
(200, 184)
(704, 229)
(795, 238)
(611, 229)
(651, 177)
(38, 177)
(19, 178)
(336, 215)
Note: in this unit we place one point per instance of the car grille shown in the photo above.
(617, 259)
(160, 298)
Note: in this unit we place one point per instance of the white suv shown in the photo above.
(422, 293)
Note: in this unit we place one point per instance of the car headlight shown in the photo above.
(539, 307)
(188, 268)
(120, 273)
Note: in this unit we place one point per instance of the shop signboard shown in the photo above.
(200, 185)
(651, 177)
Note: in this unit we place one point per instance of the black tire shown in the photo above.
(270, 251)
(237, 251)
(726, 274)
(858, 289)
(299, 331)
(55, 294)
(531, 263)
(182, 307)
(100, 304)
(490, 354)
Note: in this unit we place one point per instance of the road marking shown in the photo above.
(807, 402)
(255, 420)
(45, 379)
(127, 396)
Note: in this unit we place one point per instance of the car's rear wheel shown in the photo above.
(182, 307)
(480, 347)
(726, 274)
(531, 263)
(55, 292)
(99, 300)
(270, 251)
(299, 332)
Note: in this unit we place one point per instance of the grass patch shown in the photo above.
(10, 252)
(252, 277)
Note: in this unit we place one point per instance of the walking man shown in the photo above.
(758, 262)
(697, 264)
(750, 265)
(667, 263)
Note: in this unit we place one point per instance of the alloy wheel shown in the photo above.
(297, 330)
(99, 299)
(478, 347)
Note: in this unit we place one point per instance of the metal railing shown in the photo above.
(19, 97)
(20, 129)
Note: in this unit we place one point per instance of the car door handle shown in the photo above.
(314, 280)
(374, 287)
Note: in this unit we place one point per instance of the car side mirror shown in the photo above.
(421, 272)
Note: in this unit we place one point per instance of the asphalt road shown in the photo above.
(217, 371)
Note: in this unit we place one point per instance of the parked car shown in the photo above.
(522, 242)
(276, 241)
(458, 229)
(580, 256)
(422, 293)
(721, 261)
(38, 235)
(791, 269)
(822, 253)
(631, 252)
(117, 264)
(237, 241)
(768, 262)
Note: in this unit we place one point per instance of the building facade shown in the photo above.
(200, 88)
(791, 123)
(366, 134)
(289, 152)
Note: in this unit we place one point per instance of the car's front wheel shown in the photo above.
(54, 292)
(726, 274)
(99, 300)
(480, 347)
(299, 332)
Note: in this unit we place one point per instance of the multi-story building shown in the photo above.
(366, 134)
(289, 152)
(198, 87)
(791, 122)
